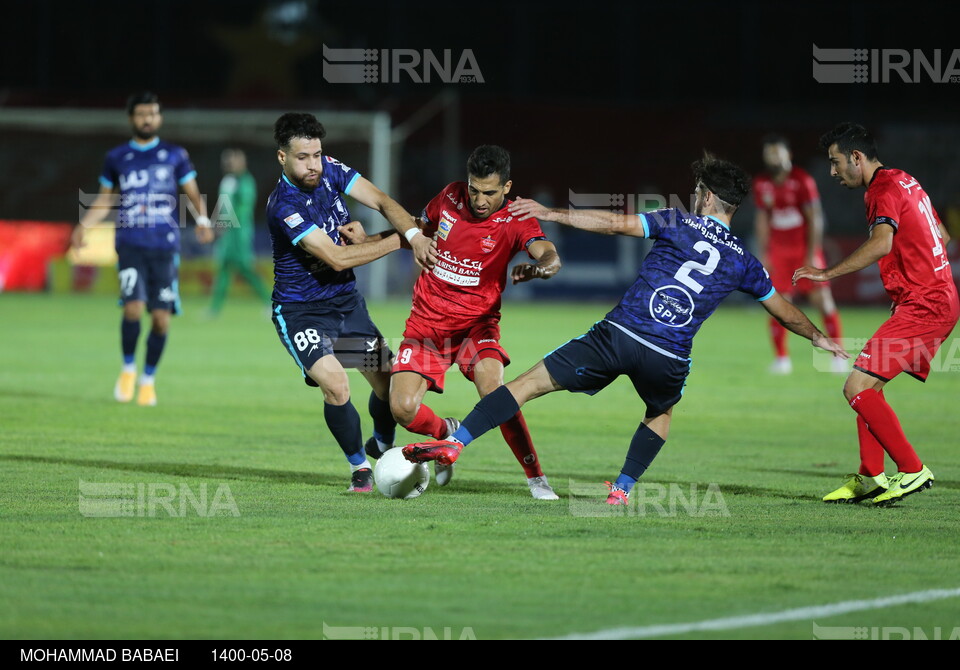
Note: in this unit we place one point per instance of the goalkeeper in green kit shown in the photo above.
(234, 249)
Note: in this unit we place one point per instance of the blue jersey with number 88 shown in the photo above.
(694, 264)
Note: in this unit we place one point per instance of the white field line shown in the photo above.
(765, 618)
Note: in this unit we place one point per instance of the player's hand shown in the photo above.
(809, 272)
(77, 240)
(204, 234)
(525, 208)
(525, 272)
(353, 233)
(822, 341)
(424, 250)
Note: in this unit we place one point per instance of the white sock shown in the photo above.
(146, 380)
(383, 446)
(130, 367)
(365, 464)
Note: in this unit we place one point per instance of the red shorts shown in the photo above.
(430, 352)
(781, 264)
(900, 345)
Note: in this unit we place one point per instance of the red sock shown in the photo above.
(832, 323)
(521, 444)
(426, 422)
(885, 426)
(779, 335)
(871, 451)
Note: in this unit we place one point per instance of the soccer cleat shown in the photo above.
(857, 488)
(123, 390)
(781, 366)
(904, 484)
(147, 397)
(372, 447)
(443, 452)
(361, 481)
(540, 488)
(442, 474)
(452, 426)
(617, 495)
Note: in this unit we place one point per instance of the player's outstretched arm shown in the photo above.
(95, 214)
(592, 220)
(204, 231)
(797, 322)
(875, 248)
(547, 265)
(317, 243)
(813, 213)
(366, 193)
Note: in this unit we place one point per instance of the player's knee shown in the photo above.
(851, 389)
(404, 409)
(337, 394)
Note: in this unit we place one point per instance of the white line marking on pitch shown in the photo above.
(765, 619)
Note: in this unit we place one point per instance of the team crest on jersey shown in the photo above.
(293, 220)
(487, 244)
(162, 155)
(446, 224)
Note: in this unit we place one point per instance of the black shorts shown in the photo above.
(340, 326)
(592, 361)
(150, 276)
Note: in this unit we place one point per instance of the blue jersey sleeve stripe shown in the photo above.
(106, 183)
(767, 296)
(296, 240)
(646, 227)
(187, 177)
(353, 181)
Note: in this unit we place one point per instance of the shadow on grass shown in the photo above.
(838, 476)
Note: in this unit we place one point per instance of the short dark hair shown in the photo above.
(726, 180)
(488, 159)
(297, 124)
(850, 137)
(775, 138)
(141, 98)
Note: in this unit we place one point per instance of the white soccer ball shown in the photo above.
(396, 477)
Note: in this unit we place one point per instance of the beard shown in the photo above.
(144, 134)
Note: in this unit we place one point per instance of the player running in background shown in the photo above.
(694, 264)
(148, 174)
(455, 317)
(789, 230)
(908, 240)
(234, 249)
(320, 316)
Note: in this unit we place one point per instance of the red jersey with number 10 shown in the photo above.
(916, 272)
(471, 273)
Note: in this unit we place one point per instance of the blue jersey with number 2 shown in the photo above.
(694, 264)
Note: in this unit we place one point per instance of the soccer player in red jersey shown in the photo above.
(789, 230)
(456, 307)
(909, 241)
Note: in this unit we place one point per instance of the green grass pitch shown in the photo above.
(478, 558)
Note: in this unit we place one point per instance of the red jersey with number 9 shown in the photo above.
(916, 272)
(471, 273)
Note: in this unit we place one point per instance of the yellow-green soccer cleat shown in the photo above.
(147, 397)
(904, 484)
(857, 488)
(123, 390)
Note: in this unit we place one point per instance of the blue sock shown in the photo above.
(494, 409)
(344, 422)
(644, 447)
(129, 334)
(384, 425)
(155, 344)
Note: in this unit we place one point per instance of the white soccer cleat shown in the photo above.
(442, 474)
(781, 366)
(540, 488)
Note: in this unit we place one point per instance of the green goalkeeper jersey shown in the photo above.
(240, 190)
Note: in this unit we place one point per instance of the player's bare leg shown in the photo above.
(384, 425)
(342, 418)
(822, 299)
(488, 376)
(644, 447)
(406, 402)
(156, 341)
(125, 387)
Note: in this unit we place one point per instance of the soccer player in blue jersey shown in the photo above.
(148, 174)
(694, 264)
(320, 316)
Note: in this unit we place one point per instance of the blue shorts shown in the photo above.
(591, 362)
(150, 276)
(340, 326)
